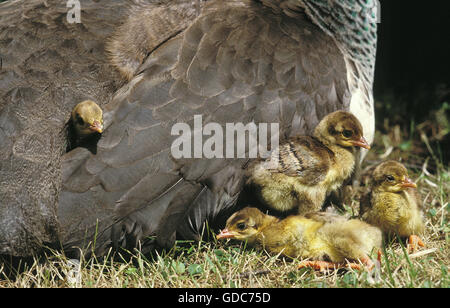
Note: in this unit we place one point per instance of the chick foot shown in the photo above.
(413, 242)
(323, 266)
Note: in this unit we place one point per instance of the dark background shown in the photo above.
(413, 61)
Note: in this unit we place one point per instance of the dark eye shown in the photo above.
(241, 226)
(390, 178)
(80, 121)
(347, 133)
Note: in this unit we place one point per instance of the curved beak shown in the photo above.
(96, 127)
(361, 143)
(407, 182)
(225, 233)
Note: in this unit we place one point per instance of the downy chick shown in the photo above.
(85, 126)
(393, 204)
(305, 169)
(330, 243)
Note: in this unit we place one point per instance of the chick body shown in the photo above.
(296, 236)
(393, 203)
(352, 239)
(395, 213)
(293, 236)
(305, 169)
(284, 192)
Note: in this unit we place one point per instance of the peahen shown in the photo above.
(150, 65)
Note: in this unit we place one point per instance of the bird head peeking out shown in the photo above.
(85, 126)
(245, 225)
(341, 128)
(391, 176)
(87, 118)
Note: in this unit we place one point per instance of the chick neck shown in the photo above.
(321, 134)
(265, 225)
(383, 190)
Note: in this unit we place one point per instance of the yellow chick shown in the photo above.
(333, 242)
(393, 203)
(87, 118)
(305, 169)
(85, 125)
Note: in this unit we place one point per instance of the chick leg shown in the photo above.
(324, 265)
(318, 265)
(379, 255)
(413, 242)
(368, 262)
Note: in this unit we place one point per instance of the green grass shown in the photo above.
(229, 264)
(217, 265)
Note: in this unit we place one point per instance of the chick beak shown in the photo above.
(96, 127)
(225, 233)
(408, 183)
(361, 142)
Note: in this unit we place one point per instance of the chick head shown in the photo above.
(87, 118)
(392, 176)
(243, 225)
(341, 128)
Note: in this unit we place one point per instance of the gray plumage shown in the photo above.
(47, 67)
(232, 61)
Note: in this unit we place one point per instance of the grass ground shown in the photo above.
(227, 264)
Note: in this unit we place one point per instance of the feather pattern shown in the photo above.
(47, 66)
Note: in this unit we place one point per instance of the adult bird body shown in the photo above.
(287, 62)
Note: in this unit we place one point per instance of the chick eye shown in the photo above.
(347, 133)
(390, 178)
(80, 121)
(241, 226)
